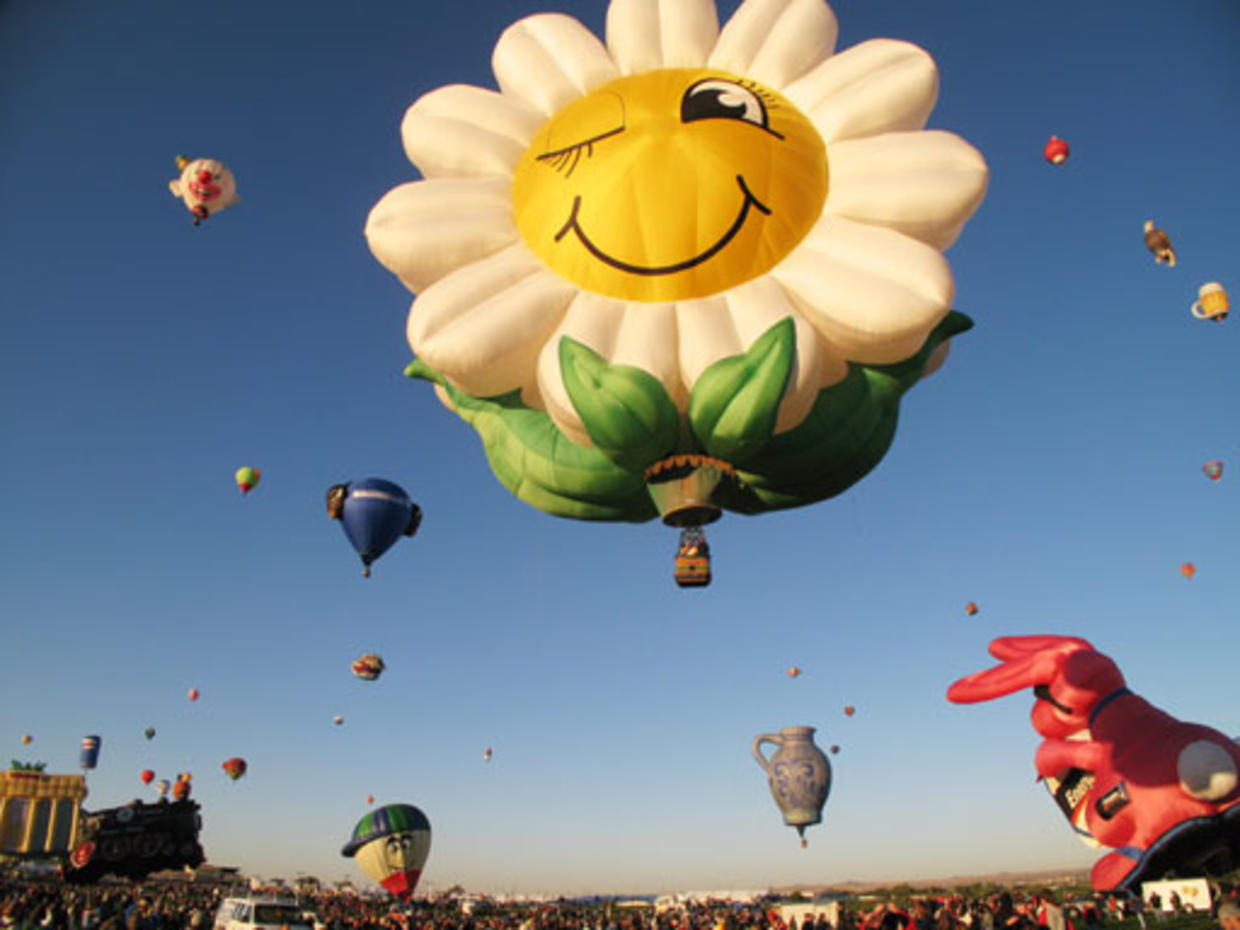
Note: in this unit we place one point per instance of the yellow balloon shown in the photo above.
(670, 185)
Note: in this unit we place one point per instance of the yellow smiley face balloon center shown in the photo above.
(670, 185)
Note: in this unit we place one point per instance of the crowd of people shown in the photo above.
(45, 903)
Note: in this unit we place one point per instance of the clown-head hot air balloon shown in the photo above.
(247, 479)
(234, 768)
(375, 513)
(391, 844)
(205, 186)
(368, 667)
(689, 270)
(1213, 470)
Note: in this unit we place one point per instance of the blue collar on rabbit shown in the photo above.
(1117, 693)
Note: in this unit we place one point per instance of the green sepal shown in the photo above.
(735, 402)
(540, 465)
(627, 411)
(844, 436)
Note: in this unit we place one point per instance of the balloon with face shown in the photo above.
(205, 186)
(655, 269)
(375, 514)
(391, 844)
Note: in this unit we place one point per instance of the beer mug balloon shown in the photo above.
(1211, 302)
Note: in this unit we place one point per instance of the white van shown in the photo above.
(261, 913)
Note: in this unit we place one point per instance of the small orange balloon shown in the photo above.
(970, 608)
(193, 694)
(849, 710)
(794, 671)
(370, 799)
(1188, 569)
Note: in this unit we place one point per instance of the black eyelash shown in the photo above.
(570, 155)
(767, 96)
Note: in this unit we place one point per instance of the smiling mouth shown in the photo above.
(572, 225)
(204, 193)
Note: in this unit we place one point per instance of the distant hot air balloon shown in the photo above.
(794, 671)
(162, 786)
(247, 479)
(375, 513)
(486, 754)
(181, 789)
(193, 694)
(1213, 470)
(835, 749)
(147, 776)
(1056, 151)
(234, 768)
(971, 609)
(90, 752)
(391, 844)
(849, 710)
(27, 740)
(370, 799)
(1188, 569)
(798, 773)
(337, 720)
(149, 732)
(368, 667)
(1159, 245)
(205, 186)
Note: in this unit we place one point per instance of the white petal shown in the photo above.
(776, 41)
(461, 130)
(923, 184)
(482, 325)
(719, 327)
(624, 333)
(549, 60)
(424, 230)
(874, 294)
(645, 35)
(882, 85)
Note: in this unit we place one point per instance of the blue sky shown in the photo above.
(1050, 472)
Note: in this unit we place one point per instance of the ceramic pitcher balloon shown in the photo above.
(799, 775)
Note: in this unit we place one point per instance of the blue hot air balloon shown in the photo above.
(90, 752)
(375, 513)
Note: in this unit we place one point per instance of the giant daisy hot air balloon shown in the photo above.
(391, 844)
(637, 277)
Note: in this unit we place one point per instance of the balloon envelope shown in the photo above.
(27, 740)
(375, 513)
(391, 844)
(849, 710)
(162, 786)
(147, 776)
(193, 694)
(247, 479)
(90, 752)
(1188, 569)
(368, 667)
(234, 768)
(149, 732)
(1213, 470)
(970, 609)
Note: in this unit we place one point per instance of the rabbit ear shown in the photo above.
(1027, 665)
(1015, 647)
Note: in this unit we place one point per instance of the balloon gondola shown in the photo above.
(693, 558)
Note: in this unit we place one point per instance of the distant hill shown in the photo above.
(857, 886)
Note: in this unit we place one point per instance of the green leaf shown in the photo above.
(540, 465)
(735, 402)
(627, 411)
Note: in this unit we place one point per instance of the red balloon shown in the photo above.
(193, 694)
(234, 768)
(147, 776)
(849, 710)
(1056, 151)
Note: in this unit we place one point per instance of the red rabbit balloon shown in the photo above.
(1162, 793)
